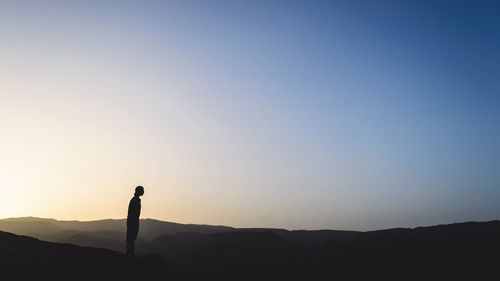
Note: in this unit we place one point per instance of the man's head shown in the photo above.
(139, 191)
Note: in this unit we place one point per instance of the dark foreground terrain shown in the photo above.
(445, 252)
(26, 258)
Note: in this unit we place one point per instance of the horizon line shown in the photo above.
(242, 228)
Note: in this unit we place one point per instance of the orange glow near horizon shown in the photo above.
(249, 114)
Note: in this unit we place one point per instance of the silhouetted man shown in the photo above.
(134, 211)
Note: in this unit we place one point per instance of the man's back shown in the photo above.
(134, 209)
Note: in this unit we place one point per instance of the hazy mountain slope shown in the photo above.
(176, 244)
(150, 229)
(310, 237)
(242, 242)
(36, 227)
(112, 235)
(93, 241)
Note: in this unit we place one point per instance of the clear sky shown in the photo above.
(296, 114)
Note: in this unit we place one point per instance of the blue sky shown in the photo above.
(296, 114)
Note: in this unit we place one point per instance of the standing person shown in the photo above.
(134, 211)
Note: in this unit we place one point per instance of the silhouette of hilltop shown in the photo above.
(26, 258)
(455, 251)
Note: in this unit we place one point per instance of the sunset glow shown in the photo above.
(332, 115)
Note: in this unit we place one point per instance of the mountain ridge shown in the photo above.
(443, 251)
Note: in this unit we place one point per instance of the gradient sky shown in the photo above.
(296, 114)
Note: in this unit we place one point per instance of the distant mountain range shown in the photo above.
(199, 252)
(150, 229)
(155, 236)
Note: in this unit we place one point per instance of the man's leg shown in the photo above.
(132, 232)
(130, 243)
(131, 247)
